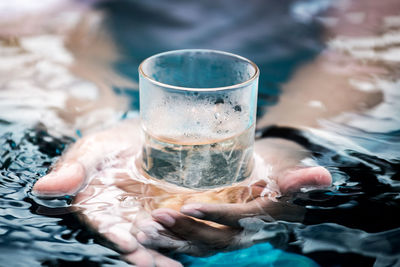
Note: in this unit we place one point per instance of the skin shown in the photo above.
(127, 210)
(140, 217)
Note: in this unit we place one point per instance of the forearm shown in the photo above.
(322, 89)
(333, 83)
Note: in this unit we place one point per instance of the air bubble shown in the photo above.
(237, 108)
(219, 101)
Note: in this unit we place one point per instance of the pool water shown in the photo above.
(63, 76)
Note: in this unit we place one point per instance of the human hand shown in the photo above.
(102, 205)
(119, 207)
(202, 228)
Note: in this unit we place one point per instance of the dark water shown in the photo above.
(353, 223)
(36, 232)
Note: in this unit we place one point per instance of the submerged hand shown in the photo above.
(82, 172)
(202, 228)
(198, 237)
(119, 207)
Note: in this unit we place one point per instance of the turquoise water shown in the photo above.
(257, 255)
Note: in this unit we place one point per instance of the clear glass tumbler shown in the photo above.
(198, 113)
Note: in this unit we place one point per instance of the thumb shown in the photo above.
(293, 180)
(67, 179)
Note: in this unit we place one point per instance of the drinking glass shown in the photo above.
(198, 112)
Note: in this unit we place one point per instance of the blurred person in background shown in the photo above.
(286, 43)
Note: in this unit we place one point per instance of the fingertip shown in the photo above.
(165, 216)
(169, 211)
(140, 258)
(121, 237)
(313, 176)
(66, 180)
(193, 209)
(316, 176)
(323, 176)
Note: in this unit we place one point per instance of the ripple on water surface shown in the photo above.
(353, 223)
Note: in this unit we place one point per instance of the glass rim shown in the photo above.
(170, 86)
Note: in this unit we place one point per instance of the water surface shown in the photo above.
(68, 74)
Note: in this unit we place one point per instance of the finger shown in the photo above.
(284, 155)
(143, 257)
(83, 156)
(164, 261)
(225, 214)
(122, 238)
(153, 235)
(140, 258)
(194, 230)
(92, 148)
(280, 153)
(294, 180)
(158, 240)
(271, 211)
(291, 181)
(231, 214)
(65, 180)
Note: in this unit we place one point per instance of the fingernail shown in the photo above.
(192, 210)
(164, 218)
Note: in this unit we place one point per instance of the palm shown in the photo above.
(124, 208)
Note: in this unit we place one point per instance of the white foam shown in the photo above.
(182, 116)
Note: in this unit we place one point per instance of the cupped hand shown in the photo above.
(205, 228)
(83, 171)
(125, 208)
